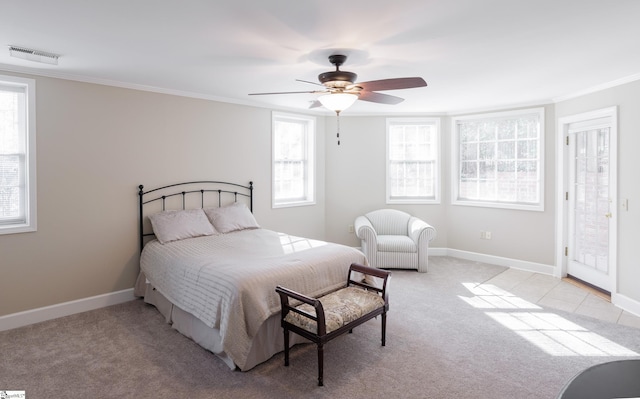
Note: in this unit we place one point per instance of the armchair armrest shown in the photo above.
(368, 236)
(364, 229)
(419, 230)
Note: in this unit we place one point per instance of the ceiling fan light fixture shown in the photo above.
(337, 102)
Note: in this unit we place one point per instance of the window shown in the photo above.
(413, 160)
(293, 160)
(17, 155)
(498, 160)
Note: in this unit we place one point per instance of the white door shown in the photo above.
(591, 201)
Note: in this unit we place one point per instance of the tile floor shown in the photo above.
(549, 291)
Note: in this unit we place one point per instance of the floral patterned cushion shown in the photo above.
(340, 307)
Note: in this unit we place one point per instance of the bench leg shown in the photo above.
(384, 328)
(286, 347)
(320, 363)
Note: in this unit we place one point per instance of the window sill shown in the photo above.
(292, 204)
(17, 228)
(501, 205)
(413, 201)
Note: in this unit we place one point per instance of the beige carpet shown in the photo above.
(445, 339)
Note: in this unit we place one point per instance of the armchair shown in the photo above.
(392, 239)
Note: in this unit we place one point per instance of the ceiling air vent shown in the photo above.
(33, 55)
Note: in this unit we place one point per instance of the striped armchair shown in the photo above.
(393, 239)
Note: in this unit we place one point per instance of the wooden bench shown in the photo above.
(323, 319)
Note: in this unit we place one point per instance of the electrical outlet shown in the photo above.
(485, 235)
(351, 230)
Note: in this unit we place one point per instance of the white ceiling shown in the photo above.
(474, 54)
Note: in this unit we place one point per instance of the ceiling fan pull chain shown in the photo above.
(338, 118)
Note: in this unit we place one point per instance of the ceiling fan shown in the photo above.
(340, 90)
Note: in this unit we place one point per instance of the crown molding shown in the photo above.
(597, 88)
(127, 85)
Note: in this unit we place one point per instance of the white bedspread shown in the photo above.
(228, 281)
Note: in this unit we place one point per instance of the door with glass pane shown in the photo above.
(591, 203)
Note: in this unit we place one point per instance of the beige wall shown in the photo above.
(355, 173)
(95, 145)
(522, 235)
(356, 179)
(356, 184)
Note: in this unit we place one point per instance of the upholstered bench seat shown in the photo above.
(340, 307)
(323, 319)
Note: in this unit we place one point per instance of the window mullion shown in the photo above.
(293, 180)
(512, 157)
(17, 162)
(410, 146)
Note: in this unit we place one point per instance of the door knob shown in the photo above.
(608, 215)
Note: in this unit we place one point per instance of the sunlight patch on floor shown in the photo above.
(550, 332)
(489, 296)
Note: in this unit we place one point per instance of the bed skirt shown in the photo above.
(267, 342)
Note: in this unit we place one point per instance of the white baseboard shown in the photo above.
(494, 260)
(438, 251)
(625, 303)
(33, 316)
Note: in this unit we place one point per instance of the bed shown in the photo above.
(211, 270)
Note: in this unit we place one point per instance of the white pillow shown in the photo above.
(177, 225)
(236, 216)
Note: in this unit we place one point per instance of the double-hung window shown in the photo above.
(293, 173)
(498, 160)
(17, 155)
(413, 160)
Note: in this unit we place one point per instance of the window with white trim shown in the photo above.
(293, 173)
(413, 160)
(498, 160)
(17, 155)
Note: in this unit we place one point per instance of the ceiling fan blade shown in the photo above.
(306, 81)
(392, 84)
(285, 92)
(379, 98)
(315, 104)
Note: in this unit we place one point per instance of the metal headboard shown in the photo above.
(219, 188)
